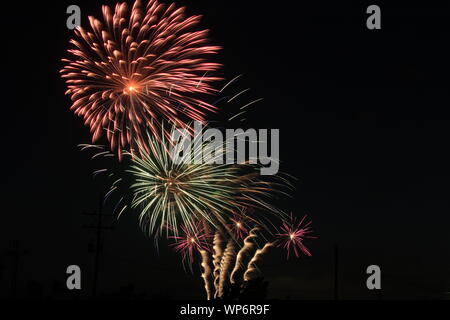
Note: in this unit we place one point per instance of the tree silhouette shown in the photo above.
(255, 289)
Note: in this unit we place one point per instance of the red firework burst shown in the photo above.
(189, 242)
(293, 234)
(238, 225)
(133, 70)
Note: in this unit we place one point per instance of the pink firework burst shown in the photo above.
(238, 224)
(135, 68)
(191, 241)
(293, 234)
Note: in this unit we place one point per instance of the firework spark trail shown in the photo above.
(207, 274)
(227, 261)
(217, 257)
(133, 68)
(230, 82)
(251, 268)
(248, 245)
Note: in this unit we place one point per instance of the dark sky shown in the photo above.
(364, 127)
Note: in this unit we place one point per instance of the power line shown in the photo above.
(98, 227)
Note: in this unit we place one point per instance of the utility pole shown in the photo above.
(98, 227)
(15, 253)
(336, 273)
(2, 268)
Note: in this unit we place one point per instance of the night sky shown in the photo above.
(363, 125)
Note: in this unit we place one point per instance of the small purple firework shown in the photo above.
(189, 242)
(238, 225)
(293, 234)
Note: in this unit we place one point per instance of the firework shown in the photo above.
(228, 258)
(248, 246)
(188, 242)
(217, 258)
(207, 274)
(133, 69)
(293, 235)
(238, 268)
(251, 268)
(135, 73)
(171, 193)
(238, 224)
